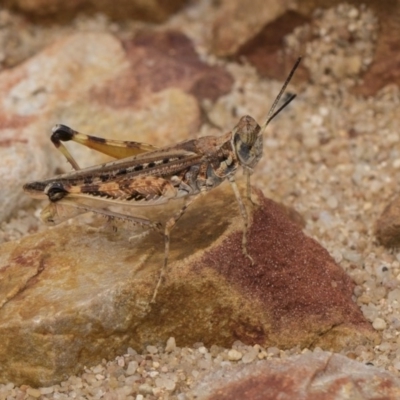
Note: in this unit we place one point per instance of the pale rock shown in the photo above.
(152, 349)
(379, 324)
(321, 375)
(98, 85)
(171, 345)
(250, 356)
(33, 392)
(236, 22)
(132, 366)
(46, 390)
(394, 295)
(145, 389)
(234, 355)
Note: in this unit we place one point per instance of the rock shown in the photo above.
(387, 227)
(71, 297)
(264, 50)
(98, 85)
(318, 375)
(323, 37)
(29, 93)
(384, 69)
(236, 22)
(61, 11)
(168, 59)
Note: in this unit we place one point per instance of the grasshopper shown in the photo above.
(144, 175)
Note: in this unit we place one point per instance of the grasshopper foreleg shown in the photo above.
(245, 217)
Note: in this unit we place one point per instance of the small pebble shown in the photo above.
(332, 202)
(171, 345)
(46, 390)
(33, 392)
(98, 369)
(234, 355)
(145, 388)
(379, 324)
(132, 367)
(397, 365)
(273, 351)
(202, 350)
(250, 356)
(152, 349)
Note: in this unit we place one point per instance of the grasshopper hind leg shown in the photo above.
(114, 148)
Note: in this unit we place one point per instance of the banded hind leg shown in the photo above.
(114, 148)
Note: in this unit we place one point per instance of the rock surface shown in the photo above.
(71, 298)
(99, 85)
(149, 10)
(387, 228)
(320, 31)
(264, 50)
(318, 375)
(236, 22)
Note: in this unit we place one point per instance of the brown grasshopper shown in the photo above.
(144, 175)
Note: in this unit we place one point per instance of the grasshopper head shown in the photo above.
(248, 141)
(247, 134)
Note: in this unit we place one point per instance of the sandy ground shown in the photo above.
(331, 155)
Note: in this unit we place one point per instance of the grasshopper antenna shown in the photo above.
(272, 112)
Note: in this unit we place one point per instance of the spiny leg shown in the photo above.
(245, 217)
(170, 224)
(114, 148)
(247, 173)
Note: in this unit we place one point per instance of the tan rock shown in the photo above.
(145, 90)
(71, 297)
(33, 91)
(149, 10)
(384, 69)
(387, 228)
(321, 37)
(264, 50)
(320, 375)
(236, 22)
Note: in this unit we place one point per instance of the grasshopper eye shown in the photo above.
(55, 191)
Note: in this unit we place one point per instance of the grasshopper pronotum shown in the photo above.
(144, 175)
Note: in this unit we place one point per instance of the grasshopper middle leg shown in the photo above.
(170, 224)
